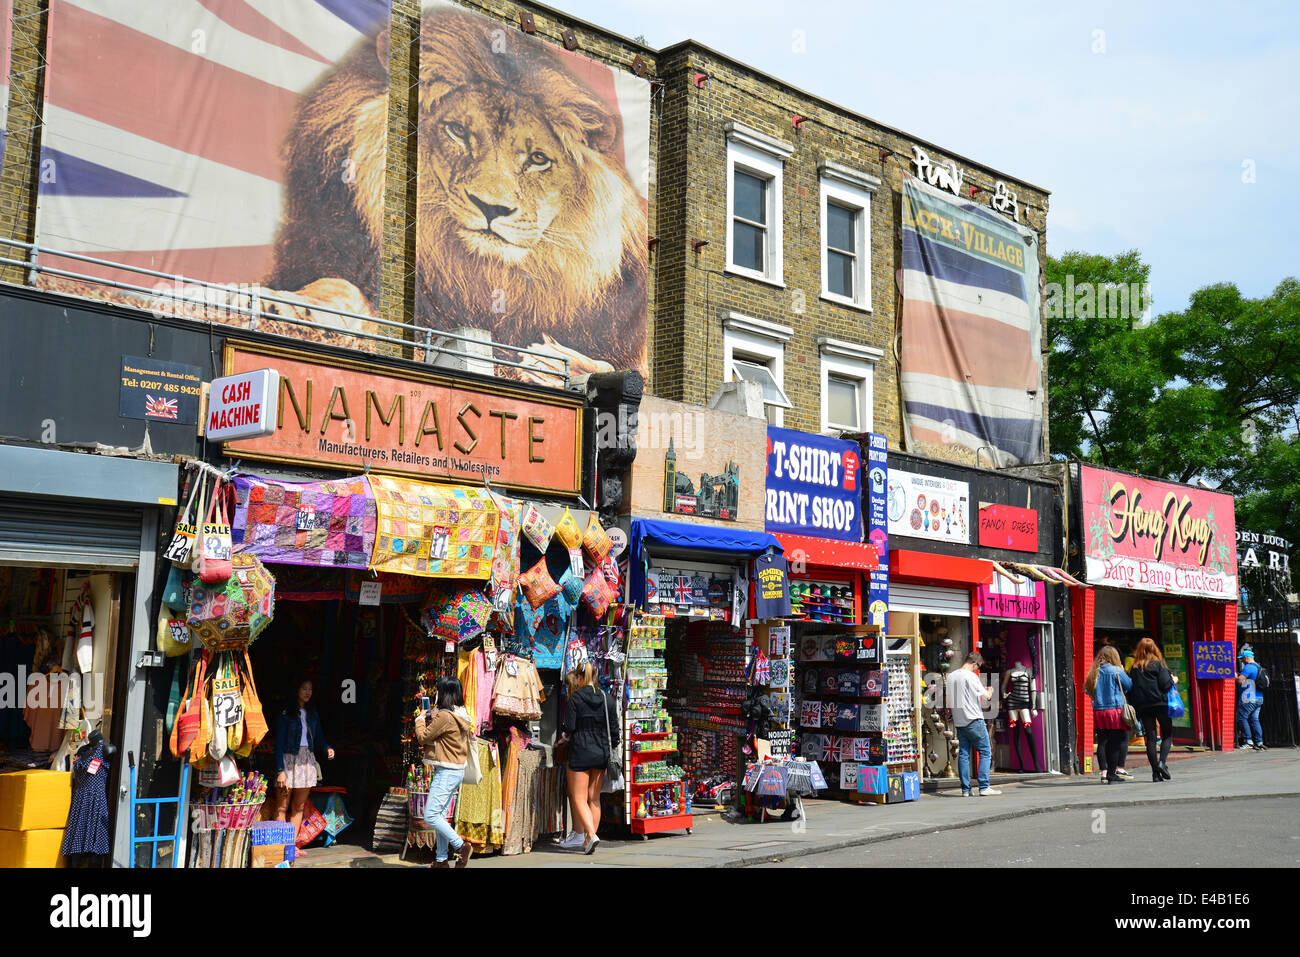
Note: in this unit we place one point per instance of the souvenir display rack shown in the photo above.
(708, 690)
(842, 705)
(902, 738)
(656, 795)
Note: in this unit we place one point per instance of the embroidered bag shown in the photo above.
(536, 527)
(537, 584)
(595, 540)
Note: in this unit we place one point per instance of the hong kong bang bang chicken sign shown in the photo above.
(1158, 537)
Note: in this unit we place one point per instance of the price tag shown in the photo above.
(438, 543)
(179, 548)
(216, 542)
(227, 706)
(93, 766)
(306, 518)
(371, 592)
(449, 647)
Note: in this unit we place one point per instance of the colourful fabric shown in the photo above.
(435, 531)
(547, 625)
(396, 590)
(505, 563)
(478, 810)
(329, 524)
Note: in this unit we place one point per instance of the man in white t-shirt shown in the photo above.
(965, 694)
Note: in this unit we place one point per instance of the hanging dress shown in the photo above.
(87, 829)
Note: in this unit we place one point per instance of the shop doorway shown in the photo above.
(1018, 659)
(354, 656)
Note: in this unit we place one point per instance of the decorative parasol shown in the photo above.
(230, 615)
(455, 613)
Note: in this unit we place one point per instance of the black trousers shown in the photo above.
(1113, 743)
(1150, 718)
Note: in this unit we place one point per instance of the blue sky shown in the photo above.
(1141, 145)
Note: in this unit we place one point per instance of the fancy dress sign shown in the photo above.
(1159, 537)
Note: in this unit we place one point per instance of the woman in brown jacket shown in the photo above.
(445, 735)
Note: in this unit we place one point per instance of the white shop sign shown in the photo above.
(243, 406)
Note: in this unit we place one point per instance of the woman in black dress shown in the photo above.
(591, 724)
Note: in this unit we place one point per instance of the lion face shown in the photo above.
(528, 223)
(503, 173)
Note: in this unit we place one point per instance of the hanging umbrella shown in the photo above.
(230, 615)
(455, 614)
(771, 781)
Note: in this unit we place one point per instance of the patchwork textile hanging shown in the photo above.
(436, 531)
(329, 524)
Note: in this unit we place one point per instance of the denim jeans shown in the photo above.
(973, 737)
(441, 793)
(1248, 719)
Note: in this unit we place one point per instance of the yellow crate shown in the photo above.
(31, 848)
(35, 800)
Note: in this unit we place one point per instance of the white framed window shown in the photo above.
(754, 350)
(846, 234)
(755, 166)
(847, 385)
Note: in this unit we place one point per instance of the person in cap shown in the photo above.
(1250, 700)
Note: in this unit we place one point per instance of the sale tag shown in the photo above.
(216, 542)
(449, 647)
(306, 518)
(93, 766)
(179, 548)
(227, 705)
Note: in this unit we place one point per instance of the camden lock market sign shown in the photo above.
(338, 413)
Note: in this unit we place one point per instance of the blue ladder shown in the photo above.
(155, 838)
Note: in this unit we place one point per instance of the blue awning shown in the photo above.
(648, 534)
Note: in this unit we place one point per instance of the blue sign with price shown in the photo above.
(1213, 659)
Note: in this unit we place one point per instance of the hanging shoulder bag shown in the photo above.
(255, 727)
(182, 543)
(614, 767)
(190, 715)
(473, 767)
(1130, 715)
(214, 542)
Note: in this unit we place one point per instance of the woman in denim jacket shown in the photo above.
(1106, 684)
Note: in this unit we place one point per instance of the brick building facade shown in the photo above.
(708, 114)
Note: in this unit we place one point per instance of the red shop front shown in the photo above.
(1161, 558)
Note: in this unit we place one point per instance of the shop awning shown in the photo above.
(904, 563)
(830, 553)
(649, 534)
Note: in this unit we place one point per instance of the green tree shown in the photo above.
(1210, 392)
(1098, 367)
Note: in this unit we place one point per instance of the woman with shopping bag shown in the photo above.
(298, 739)
(445, 732)
(1152, 682)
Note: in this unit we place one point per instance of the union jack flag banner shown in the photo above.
(157, 407)
(169, 127)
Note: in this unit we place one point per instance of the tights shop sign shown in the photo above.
(1158, 537)
(812, 486)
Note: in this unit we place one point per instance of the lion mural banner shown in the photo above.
(237, 143)
(532, 194)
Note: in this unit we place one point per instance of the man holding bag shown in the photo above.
(446, 737)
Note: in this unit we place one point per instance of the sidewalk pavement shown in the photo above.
(831, 825)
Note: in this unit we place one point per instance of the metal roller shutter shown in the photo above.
(51, 532)
(929, 599)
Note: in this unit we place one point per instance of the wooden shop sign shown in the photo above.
(339, 413)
